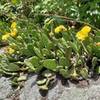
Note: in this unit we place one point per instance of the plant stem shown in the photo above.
(68, 18)
(84, 48)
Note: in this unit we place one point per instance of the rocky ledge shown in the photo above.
(66, 91)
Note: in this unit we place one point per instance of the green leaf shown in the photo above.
(63, 61)
(48, 74)
(66, 36)
(74, 47)
(60, 53)
(97, 37)
(43, 87)
(64, 73)
(33, 63)
(38, 52)
(22, 78)
(50, 46)
(45, 52)
(43, 81)
(97, 69)
(50, 64)
(12, 67)
(94, 62)
(45, 40)
(15, 1)
(1, 71)
(84, 73)
(30, 47)
(26, 52)
(96, 51)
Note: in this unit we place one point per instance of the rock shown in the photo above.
(2, 50)
(30, 90)
(91, 93)
(5, 88)
(56, 92)
(61, 92)
(68, 91)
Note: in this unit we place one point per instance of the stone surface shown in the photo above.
(5, 88)
(58, 92)
(61, 92)
(2, 51)
(92, 93)
(30, 90)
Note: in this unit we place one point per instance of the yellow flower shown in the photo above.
(13, 32)
(60, 28)
(13, 29)
(6, 36)
(97, 44)
(86, 29)
(83, 33)
(9, 50)
(13, 25)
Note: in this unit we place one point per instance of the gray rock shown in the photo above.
(30, 90)
(2, 51)
(61, 92)
(92, 93)
(5, 88)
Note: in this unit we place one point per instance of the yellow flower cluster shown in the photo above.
(13, 32)
(83, 33)
(9, 50)
(6, 36)
(13, 29)
(60, 28)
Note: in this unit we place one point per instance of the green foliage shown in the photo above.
(50, 64)
(39, 48)
(33, 63)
